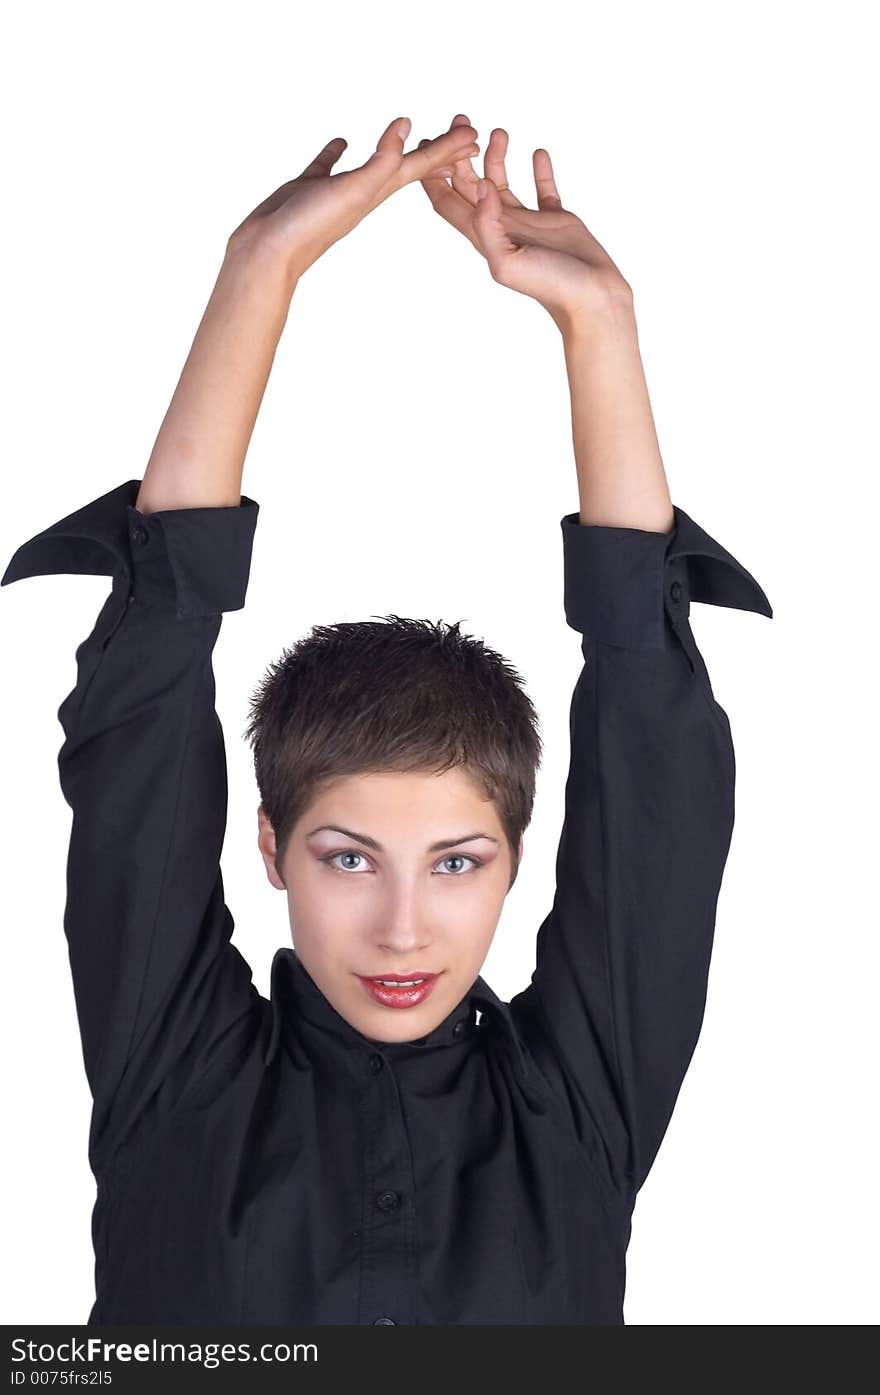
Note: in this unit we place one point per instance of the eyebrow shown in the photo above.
(377, 847)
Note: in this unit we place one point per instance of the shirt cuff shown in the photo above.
(620, 582)
(194, 560)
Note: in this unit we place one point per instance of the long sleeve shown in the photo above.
(616, 1001)
(157, 982)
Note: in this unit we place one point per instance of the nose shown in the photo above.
(402, 927)
(402, 943)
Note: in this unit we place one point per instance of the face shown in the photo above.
(393, 874)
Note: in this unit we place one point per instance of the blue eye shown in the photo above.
(462, 857)
(353, 852)
(349, 852)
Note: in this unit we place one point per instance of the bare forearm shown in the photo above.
(621, 479)
(198, 457)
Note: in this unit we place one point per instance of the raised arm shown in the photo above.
(616, 1001)
(159, 988)
(161, 993)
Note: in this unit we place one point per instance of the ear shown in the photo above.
(266, 844)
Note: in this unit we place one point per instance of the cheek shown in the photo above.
(325, 917)
(470, 924)
(310, 909)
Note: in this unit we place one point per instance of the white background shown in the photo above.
(414, 454)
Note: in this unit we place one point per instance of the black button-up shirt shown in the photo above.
(259, 1160)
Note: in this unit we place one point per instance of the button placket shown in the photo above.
(388, 1236)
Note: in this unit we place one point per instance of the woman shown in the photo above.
(354, 1151)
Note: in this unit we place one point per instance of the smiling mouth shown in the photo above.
(394, 979)
(399, 992)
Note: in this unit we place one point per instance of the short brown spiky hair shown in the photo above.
(386, 694)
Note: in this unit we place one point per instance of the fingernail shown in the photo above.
(482, 189)
(404, 128)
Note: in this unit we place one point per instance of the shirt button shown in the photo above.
(675, 590)
(459, 1028)
(139, 534)
(384, 1322)
(387, 1201)
(375, 1064)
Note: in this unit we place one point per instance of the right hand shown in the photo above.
(547, 253)
(308, 214)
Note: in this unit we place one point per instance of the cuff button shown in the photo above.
(675, 591)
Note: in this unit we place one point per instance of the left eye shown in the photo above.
(452, 857)
(461, 857)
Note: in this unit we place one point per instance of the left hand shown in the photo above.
(307, 215)
(547, 253)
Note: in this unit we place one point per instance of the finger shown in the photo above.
(488, 223)
(444, 170)
(326, 158)
(545, 184)
(465, 179)
(463, 175)
(443, 152)
(388, 168)
(393, 138)
(450, 205)
(494, 167)
(388, 153)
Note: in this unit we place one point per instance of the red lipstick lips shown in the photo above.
(399, 990)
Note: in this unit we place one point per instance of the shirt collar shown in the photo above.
(296, 999)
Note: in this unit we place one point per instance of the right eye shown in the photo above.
(348, 852)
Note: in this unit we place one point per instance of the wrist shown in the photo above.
(255, 260)
(610, 319)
